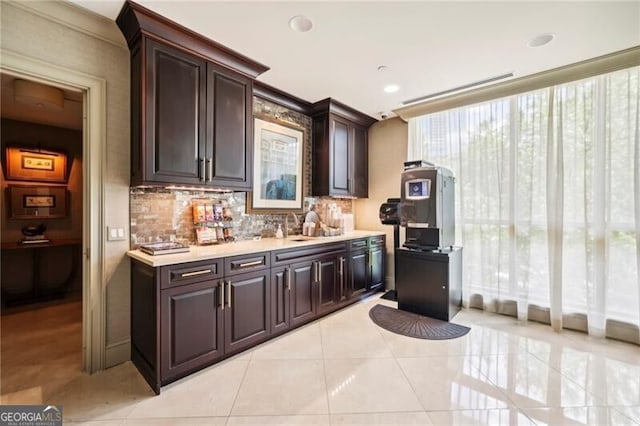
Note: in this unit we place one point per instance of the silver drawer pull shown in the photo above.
(193, 274)
(254, 263)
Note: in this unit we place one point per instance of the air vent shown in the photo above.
(459, 88)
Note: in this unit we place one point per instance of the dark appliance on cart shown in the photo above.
(428, 267)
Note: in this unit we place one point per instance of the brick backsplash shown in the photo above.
(160, 214)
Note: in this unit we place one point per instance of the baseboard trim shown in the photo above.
(117, 353)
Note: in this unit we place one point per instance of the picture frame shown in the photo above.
(37, 202)
(36, 165)
(277, 167)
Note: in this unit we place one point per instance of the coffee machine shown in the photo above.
(427, 207)
(428, 267)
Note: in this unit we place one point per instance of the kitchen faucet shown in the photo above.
(286, 222)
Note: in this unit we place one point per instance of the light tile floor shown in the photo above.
(344, 370)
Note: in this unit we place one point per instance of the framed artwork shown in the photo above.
(37, 202)
(277, 168)
(37, 165)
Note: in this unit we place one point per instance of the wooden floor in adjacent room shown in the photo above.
(40, 352)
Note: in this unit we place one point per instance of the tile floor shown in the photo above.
(344, 370)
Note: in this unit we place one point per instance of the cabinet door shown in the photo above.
(229, 129)
(174, 147)
(303, 304)
(360, 162)
(327, 284)
(422, 285)
(280, 299)
(191, 328)
(340, 158)
(247, 310)
(358, 273)
(376, 268)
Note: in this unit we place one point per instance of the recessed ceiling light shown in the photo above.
(391, 88)
(300, 23)
(541, 40)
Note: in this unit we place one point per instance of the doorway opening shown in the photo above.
(41, 321)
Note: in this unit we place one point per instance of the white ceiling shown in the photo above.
(427, 46)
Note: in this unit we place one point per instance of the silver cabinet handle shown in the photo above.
(288, 278)
(210, 177)
(229, 294)
(202, 170)
(254, 263)
(222, 295)
(193, 274)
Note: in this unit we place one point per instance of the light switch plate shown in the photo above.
(115, 234)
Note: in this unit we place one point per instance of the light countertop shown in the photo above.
(243, 247)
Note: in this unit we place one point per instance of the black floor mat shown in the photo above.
(414, 325)
(390, 295)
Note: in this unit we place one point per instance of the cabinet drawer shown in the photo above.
(189, 273)
(358, 244)
(283, 257)
(246, 263)
(378, 240)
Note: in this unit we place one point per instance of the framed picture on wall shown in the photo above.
(277, 167)
(37, 165)
(37, 202)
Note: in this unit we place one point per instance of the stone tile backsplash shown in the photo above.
(160, 214)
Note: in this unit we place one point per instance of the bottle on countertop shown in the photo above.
(279, 232)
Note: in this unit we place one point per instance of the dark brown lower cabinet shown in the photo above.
(247, 311)
(303, 305)
(358, 274)
(376, 268)
(187, 316)
(327, 280)
(191, 328)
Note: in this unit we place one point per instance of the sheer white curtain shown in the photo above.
(548, 201)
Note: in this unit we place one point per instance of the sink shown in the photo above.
(300, 239)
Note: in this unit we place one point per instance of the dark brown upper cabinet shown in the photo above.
(340, 150)
(191, 105)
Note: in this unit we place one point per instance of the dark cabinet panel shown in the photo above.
(376, 268)
(340, 158)
(191, 328)
(303, 306)
(174, 139)
(429, 283)
(280, 299)
(191, 122)
(247, 310)
(229, 134)
(358, 272)
(360, 162)
(340, 150)
(328, 283)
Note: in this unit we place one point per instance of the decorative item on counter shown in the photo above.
(311, 222)
(163, 248)
(34, 234)
(279, 233)
(213, 221)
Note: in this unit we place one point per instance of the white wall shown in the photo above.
(61, 34)
(387, 153)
